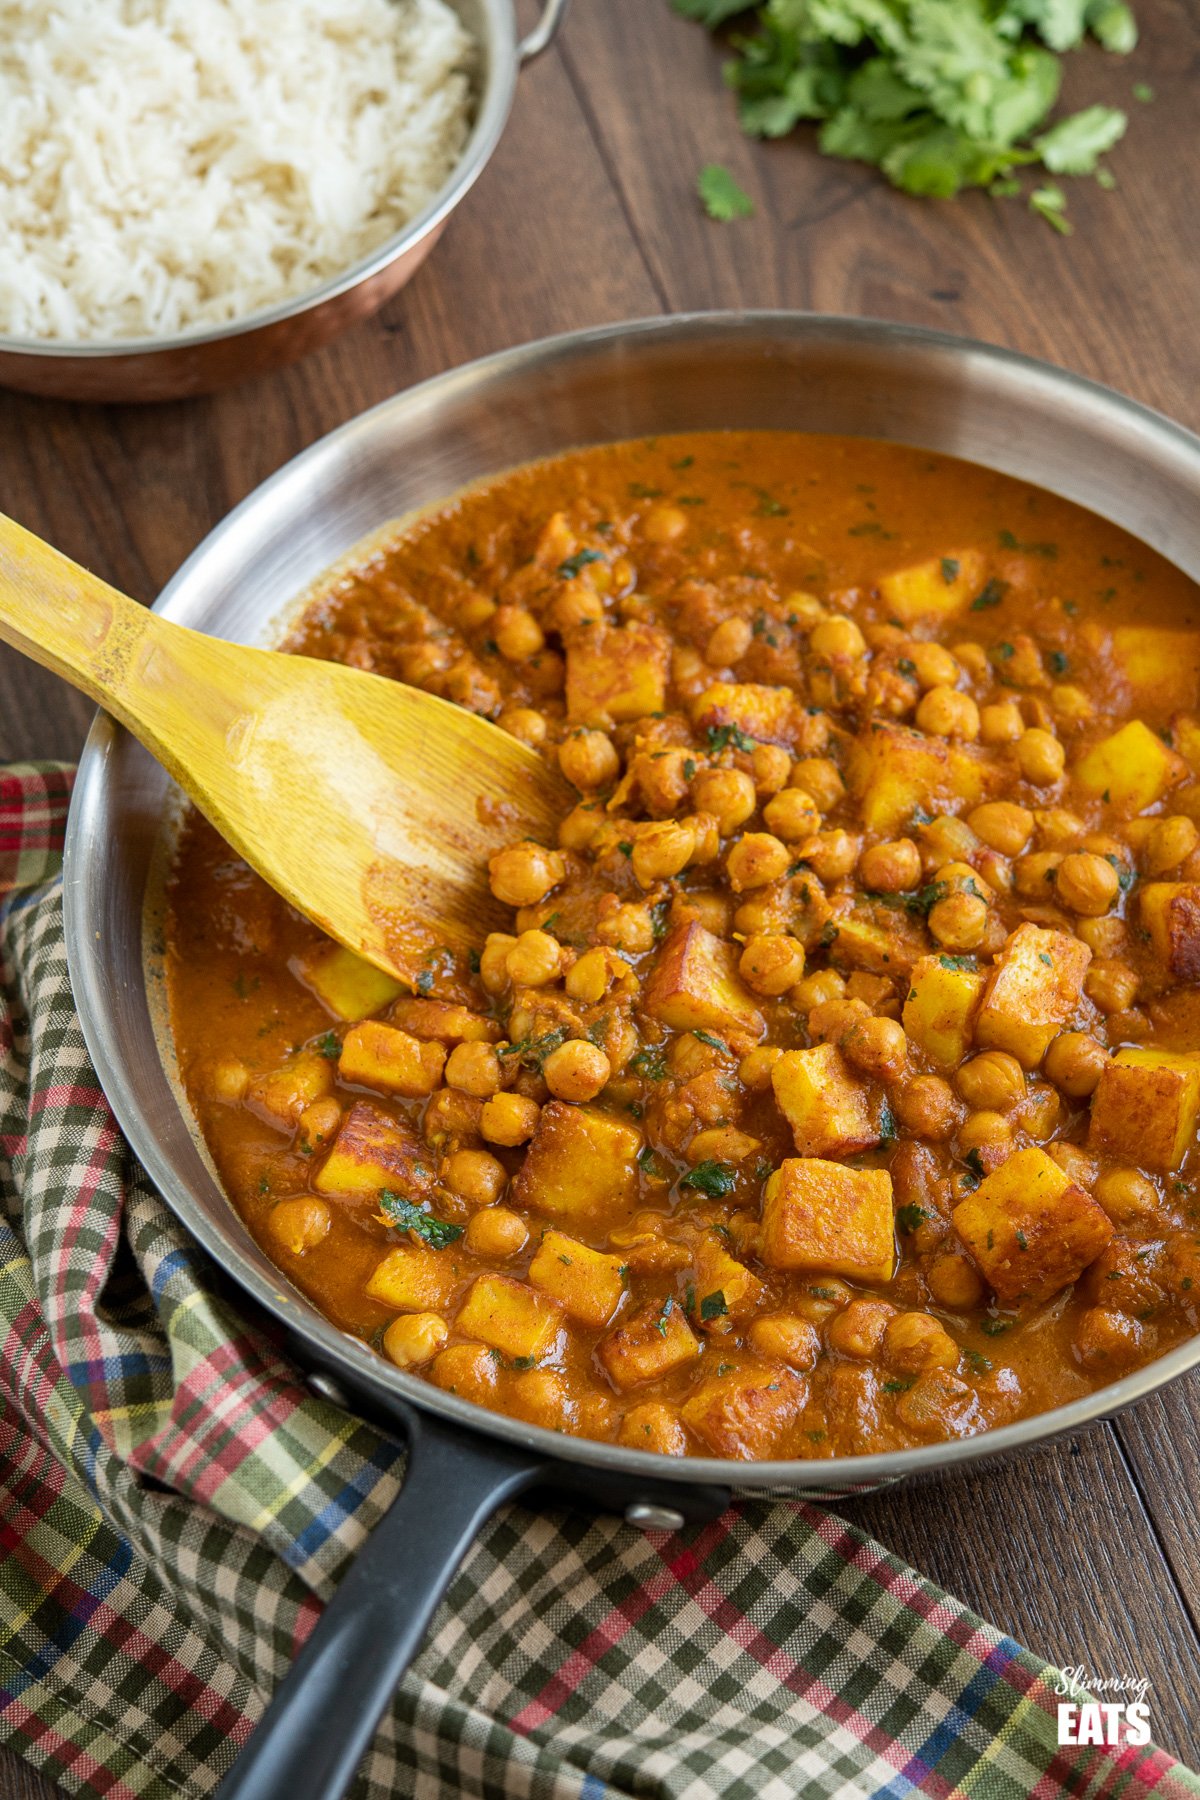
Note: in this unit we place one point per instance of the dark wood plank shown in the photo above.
(19, 1782)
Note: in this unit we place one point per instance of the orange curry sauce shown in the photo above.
(835, 1088)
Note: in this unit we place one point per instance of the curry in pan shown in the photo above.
(835, 1086)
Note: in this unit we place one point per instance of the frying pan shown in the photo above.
(764, 370)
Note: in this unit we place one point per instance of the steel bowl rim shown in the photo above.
(361, 1369)
(491, 116)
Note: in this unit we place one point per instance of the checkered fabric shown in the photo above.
(174, 1509)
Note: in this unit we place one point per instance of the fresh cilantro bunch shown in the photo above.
(939, 94)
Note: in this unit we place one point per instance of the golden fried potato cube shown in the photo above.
(1131, 769)
(747, 1413)
(770, 715)
(1145, 1107)
(831, 1112)
(1163, 665)
(581, 1164)
(587, 1284)
(616, 672)
(373, 1152)
(725, 1289)
(858, 942)
(894, 770)
(379, 1056)
(347, 985)
(411, 1278)
(443, 1020)
(648, 1344)
(1030, 1230)
(1170, 912)
(507, 1315)
(282, 1095)
(695, 986)
(1032, 992)
(939, 1013)
(822, 1215)
(937, 588)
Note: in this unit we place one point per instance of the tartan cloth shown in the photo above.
(175, 1506)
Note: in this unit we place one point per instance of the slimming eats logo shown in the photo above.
(1119, 1714)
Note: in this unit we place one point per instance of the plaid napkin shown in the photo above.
(175, 1507)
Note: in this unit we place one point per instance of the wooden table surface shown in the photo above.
(1087, 1551)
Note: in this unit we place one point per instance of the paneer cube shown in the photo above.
(1032, 992)
(1029, 1229)
(616, 672)
(895, 771)
(726, 1291)
(939, 1013)
(695, 986)
(379, 1056)
(747, 1413)
(509, 1316)
(348, 985)
(1163, 665)
(282, 1095)
(823, 1216)
(373, 1152)
(587, 1284)
(581, 1164)
(1145, 1107)
(648, 1345)
(830, 1110)
(1131, 770)
(1170, 912)
(770, 715)
(443, 1020)
(935, 589)
(411, 1278)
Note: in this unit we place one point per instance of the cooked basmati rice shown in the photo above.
(166, 164)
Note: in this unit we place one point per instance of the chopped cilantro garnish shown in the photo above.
(714, 1043)
(711, 1178)
(720, 737)
(909, 1217)
(329, 1045)
(990, 594)
(406, 1215)
(713, 1306)
(568, 570)
(649, 1061)
(721, 196)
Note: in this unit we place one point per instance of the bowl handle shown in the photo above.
(542, 35)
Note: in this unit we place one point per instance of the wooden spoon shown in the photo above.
(372, 807)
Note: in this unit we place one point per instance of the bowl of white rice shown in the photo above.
(195, 191)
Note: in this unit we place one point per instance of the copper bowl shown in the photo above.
(208, 357)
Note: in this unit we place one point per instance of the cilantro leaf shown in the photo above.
(721, 196)
(711, 1178)
(1050, 203)
(710, 12)
(406, 1215)
(713, 1306)
(1075, 145)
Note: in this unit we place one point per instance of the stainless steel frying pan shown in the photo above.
(768, 370)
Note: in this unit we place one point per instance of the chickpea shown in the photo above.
(821, 778)
(1001, 723)
(756, 859)
(590, 978)
(466, 1369)
(954, 1282)
(959, 921)
(1070, 705)
(629, 927)
(1074, 1063)
(581, 826)
(473, 1069)
(1127, 1196)
(754, 1070)
(783, 1338)
(974, 661)
(1002, 826)
(879, 1047)
(832, 854)
(516, 633)
(414, 1338)
(475, 1176)
(771, 765)
(993, 1080)
(947, 840)
(771, 963)
(1111, 985)
(728, 642)
(839, 639)
(934, 666)
(1040, 757)
(822, 1299)
(989, 1131)
(913, 1341)
(890, 868)
(1075, 1163)
(588, 759)
(792, 815)
(816, 989)
(926, 1107)
(577, 1070)
(661, 849)
(495, 1232)
(493, 961)
(299, 1223)
(522, 874)
(858, 1329)
(523, 723)
(663, 524)
(1169, 843)
(945, 712)
(1086, 883)
(1109, 1340)
(534, 959)
(652, 1425)
(319, 1122)
(227, 1080)
(727, 795)
(509, 1119)
(1036, 874)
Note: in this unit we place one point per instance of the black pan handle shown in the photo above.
(323, 1715)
